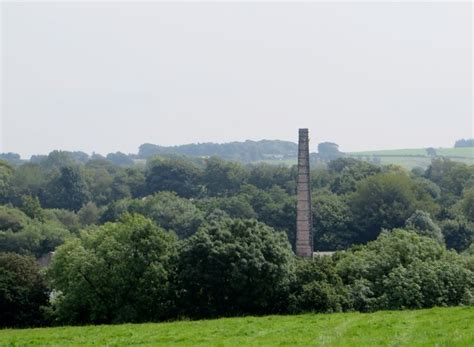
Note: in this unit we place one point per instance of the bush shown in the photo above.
(23, 292)
(35, 238)
(115, 273)
(317, 287)
(12, 219)
(404, 270)
(234, 267)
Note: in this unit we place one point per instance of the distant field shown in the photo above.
(417, 157)
(434, 327)
(408, 158)
(467, 153)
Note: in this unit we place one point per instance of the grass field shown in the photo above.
(417, 157)
(433, 327)
(467, 152)
(408, 158)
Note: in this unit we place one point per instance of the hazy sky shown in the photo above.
(110, 76)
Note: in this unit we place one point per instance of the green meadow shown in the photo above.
(408, 158)
(431, 327)
(417, 157)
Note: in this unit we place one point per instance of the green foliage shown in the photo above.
(223, 178)
(22, 291)
(328, 150)
(68, 190)
(89, 214)
(247, 151)
(274, 207)
(172, 213)
(382, 201)
(234, 267)
(68, 219)
(237, 206)
(265, 176)
(120, 159)
(331, 221)
(35, 238)
(115, 273)
(458, 233)
(129, 271)
(32, 208)
(404, 270)
(348, 172)
(28, 179)
(467, 204)
(450, 176)
(99, 177)
(317, 287)
(175, 175)
(6, 173)
(12, 219)
(421, 222)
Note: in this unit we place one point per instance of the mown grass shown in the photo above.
(433, 327)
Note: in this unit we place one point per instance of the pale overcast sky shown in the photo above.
(110, 76)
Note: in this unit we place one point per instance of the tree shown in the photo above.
(265, 176)
(349, 172)
(237, 206)
(467, 204)
(11, 158)
(172, 213)
(331, 221)
(464, 143)
(66, 218)
(421, 222)
(450, 176)
(382, 201)
(32, 208)
(28, 179)
(23, 292)
(317, 287)
(12, 219)
(234, 267)
(6, 173)
(35, 238)
(120, 159)
(458, 233)
(402, 269)
(128, 183)
(329, 150)
(430, 151)
(274, 207)
(89, 214)
(99, 177)
(68, 190)
(179, 176)
(116, 273)
(223, 178)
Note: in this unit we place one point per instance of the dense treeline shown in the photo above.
(464, 143)
(207, 237)
(247, 151)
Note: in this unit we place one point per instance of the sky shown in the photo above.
(109, 76)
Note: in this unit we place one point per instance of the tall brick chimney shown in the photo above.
(304, 224)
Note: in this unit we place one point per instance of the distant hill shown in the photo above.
(275, 152)
(248, 151)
